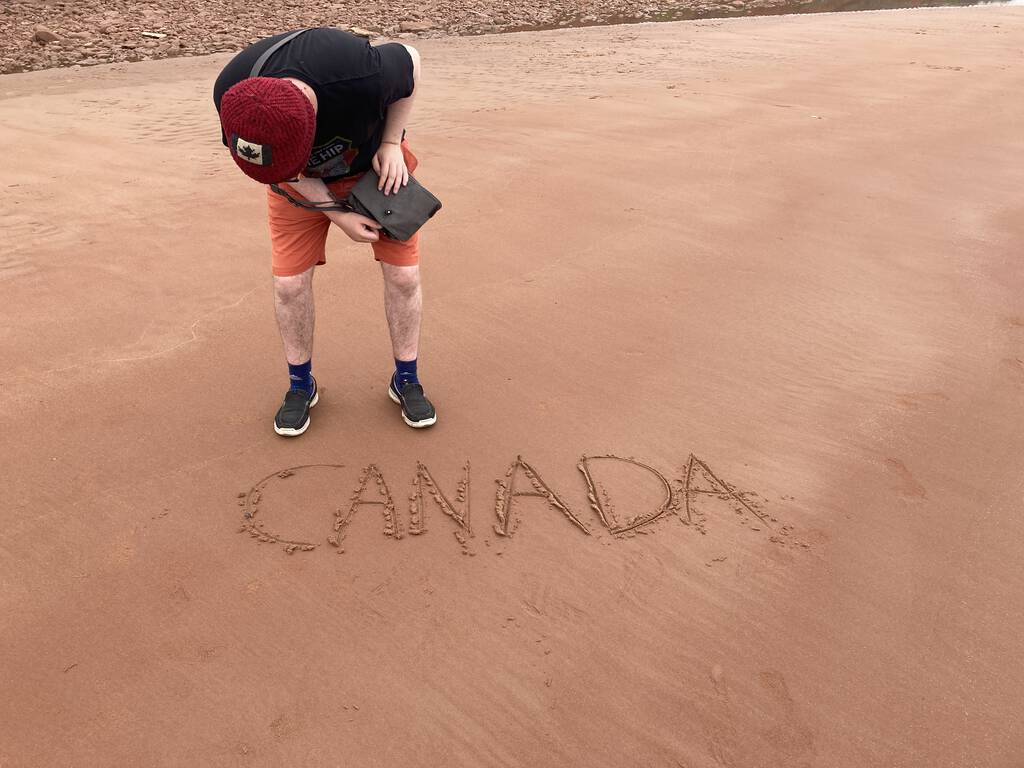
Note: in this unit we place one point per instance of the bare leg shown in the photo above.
(293, 303)
(403, 305)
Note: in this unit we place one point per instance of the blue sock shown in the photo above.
(300, 376)
(405, 373)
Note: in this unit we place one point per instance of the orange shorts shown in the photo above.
(298, 235)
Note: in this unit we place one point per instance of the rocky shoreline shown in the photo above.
(35, 34)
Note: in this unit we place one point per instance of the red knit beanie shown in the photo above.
(269, 124)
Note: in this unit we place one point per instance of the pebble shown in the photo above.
(43, 36)
(415, 26)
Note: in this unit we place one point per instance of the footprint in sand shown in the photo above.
(914, 401)
(791, 737)
(907, 483)
(718, 680)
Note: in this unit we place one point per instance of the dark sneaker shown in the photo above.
(293, 416)
(417, 411)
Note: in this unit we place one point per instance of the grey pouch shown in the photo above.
(401, 213)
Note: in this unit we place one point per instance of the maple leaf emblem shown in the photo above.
(248, 152)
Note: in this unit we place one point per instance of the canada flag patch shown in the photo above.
(257, 154)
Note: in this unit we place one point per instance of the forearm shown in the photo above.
(397, 120)
(400, 111)
(315, 191)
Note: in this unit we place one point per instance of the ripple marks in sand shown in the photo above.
(21, 236)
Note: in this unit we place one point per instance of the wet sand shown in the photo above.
(771, 265)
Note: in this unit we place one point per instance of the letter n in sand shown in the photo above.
(424, 484)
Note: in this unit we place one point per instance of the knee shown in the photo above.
(403, 280)
(291, 290)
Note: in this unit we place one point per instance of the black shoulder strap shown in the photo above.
(258, 66)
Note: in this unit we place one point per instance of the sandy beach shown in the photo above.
(726, 334)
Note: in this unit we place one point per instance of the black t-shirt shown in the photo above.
(354, 83)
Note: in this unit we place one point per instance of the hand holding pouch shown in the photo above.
(401, 213)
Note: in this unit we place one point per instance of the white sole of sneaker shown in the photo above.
(288, 431)
(414, 424)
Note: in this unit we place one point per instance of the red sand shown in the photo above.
(788, 247)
